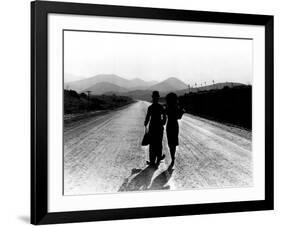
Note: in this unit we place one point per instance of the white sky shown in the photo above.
(151, 57)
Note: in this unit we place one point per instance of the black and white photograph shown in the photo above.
(146, 112)
(143, 112)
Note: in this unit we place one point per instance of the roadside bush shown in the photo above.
(231, 105)
(77, 103)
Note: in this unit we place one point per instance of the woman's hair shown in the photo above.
(172, 99)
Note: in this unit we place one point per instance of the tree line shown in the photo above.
(80, 102)
(230, 105)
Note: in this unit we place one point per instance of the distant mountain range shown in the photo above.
(105, 87)
(137, 88)
(85, 84)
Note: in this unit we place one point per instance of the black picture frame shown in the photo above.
(39, 112)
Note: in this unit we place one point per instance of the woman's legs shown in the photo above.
(172, 152)
(172, 129)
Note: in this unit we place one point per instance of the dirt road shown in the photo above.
(103, 154)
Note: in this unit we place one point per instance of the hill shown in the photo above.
(215, 86)
(168, 85)
(105, 87)
(140, 84)
(84, 84)
(137, 88)
(80, 103)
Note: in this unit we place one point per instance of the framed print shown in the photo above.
(144, 112)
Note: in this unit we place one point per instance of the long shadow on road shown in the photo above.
(139, 182)
(161, 181)
(141, 179)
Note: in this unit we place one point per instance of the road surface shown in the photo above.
(103, 154)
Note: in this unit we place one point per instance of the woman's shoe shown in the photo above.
(172, 164)
(160, 159)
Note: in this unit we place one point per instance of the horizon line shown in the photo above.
(192, 85)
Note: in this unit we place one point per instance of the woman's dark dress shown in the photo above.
(172, 127)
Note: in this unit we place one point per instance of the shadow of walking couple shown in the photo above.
(141, 180)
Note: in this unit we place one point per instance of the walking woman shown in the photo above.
(172, 128)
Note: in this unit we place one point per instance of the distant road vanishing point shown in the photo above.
(103, 155)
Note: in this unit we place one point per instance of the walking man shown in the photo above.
(156, 118)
